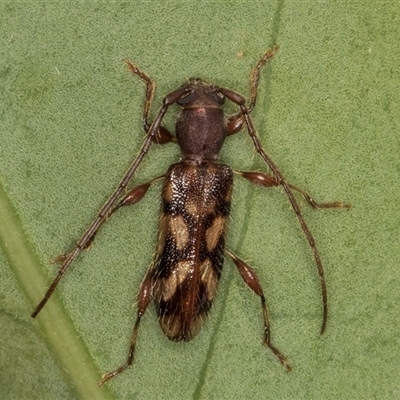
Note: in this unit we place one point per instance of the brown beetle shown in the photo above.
(196, 198)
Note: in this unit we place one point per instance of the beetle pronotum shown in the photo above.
(196, 198)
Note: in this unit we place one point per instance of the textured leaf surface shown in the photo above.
(328, 114)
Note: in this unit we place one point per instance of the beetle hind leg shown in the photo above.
(109, 375)
(251, 280)
(144, 298)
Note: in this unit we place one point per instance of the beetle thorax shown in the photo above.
(200, 129)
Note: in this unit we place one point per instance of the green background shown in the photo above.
(328, 114)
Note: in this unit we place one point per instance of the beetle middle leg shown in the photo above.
(131, 197)
(267, 180)
(251, 280)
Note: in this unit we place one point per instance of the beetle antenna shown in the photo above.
(87, 237)
(310, 238)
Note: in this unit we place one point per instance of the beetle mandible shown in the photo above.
(196, 198)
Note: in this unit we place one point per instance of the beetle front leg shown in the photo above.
(163, 135)
(251, 280)
(236, 121)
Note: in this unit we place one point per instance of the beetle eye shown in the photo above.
(187, 97)
(218, 97)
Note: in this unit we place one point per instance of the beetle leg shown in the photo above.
(144, 298)
(236, 121)
(163, 135)
(251, 280)
(268, 180)
(133, 196)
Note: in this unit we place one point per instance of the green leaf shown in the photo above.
(327, 113)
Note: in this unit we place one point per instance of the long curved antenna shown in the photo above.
(255, 76)
(295, 206)
(86, 238)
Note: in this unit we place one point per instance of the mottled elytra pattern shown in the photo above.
(195, 210)
(196, 199)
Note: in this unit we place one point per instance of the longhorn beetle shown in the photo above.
(196, 199)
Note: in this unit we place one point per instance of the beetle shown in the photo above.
(196, 199)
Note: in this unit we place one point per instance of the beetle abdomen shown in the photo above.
(195, 208)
